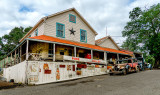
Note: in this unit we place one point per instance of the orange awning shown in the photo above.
(53, 39)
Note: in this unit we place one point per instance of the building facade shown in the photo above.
(60, 47)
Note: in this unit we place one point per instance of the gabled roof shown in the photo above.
(58, 13)
(57, 40)
(101, 40)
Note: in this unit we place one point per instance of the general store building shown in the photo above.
(60, 47)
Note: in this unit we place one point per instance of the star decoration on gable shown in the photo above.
(72, 31)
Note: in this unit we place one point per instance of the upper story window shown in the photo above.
(83, 35)
(72, 18)
(36, 32)
(60, 30)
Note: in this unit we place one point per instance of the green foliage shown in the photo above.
(150, 59)
(9, 41)
(143, 31)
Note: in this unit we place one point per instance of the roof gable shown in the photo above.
(58, 13)
(102, 40)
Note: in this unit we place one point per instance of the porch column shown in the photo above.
(27, 50)
(105, 57)
(91, 54)
(7, 59)
(4, 63)
(11, 59)
(20, 53)
(117, 57)
(1, 62)
(54, 55)
(15, 57)
(75, 53)
(18, 57)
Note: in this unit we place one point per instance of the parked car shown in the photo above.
(141, 63)
(125, 66)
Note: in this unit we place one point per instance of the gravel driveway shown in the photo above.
(142, 83)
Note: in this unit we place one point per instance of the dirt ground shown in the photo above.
(142, 83)
(6, 85)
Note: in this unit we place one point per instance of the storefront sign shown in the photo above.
(74, 58)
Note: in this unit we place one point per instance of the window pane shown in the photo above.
(50, 46)
(72, 18)
(60, 30)
(83, 35)
(58, 26)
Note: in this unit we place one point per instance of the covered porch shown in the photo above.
(58, 51)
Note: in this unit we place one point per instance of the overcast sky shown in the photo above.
(112, 14)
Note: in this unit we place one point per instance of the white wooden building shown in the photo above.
(60, 47)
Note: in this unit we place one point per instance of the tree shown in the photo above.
(9, 41)
(143, 31)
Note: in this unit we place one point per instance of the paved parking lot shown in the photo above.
(142, 83)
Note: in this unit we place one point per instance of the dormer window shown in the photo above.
(72, 18)
(36, 32)
(83, 35)
(60, 30)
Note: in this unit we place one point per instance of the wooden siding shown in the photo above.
(108, 44)
(40, 30)
(50, 27)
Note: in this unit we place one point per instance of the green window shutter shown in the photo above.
(60, 30)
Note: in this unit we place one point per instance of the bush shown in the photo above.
(150, 59)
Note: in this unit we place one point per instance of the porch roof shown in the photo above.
(53, 39)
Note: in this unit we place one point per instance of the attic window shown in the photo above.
(72, 18)
(36, 32)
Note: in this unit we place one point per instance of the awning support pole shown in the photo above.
(27, 50)
(54, 55)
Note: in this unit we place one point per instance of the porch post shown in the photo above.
(105, 56)
(27, 50)
(1, 63)
(75, 53)
(11, 59)
(117, 56)
(91, 54)
(7, 59)
(54, 55)
(4, 63)
(18, 57)
(20, 52)
(15, 57)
